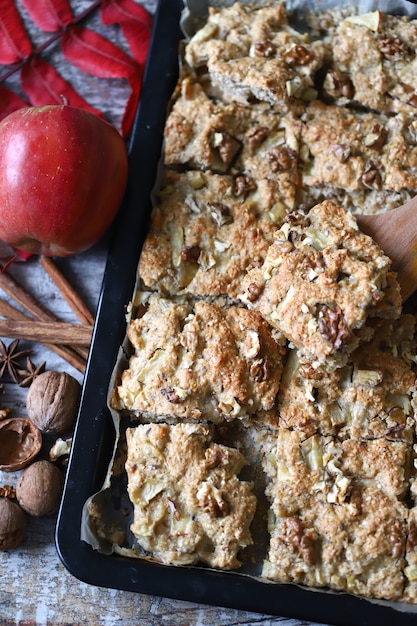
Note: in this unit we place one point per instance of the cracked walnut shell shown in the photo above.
(52, 402)
(20, 442)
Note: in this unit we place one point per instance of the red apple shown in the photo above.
(63, 174)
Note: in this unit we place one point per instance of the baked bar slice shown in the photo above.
(374, 57)
(410, 569)
(199, 132)
(201, 362)
(206, 231)
(189, 504)
(228, 138)
(367, 162)
(252, 55)
(338, 517)
(319, 278)
(372, 396)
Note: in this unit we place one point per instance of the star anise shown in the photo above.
(29, 374)
(10, 359)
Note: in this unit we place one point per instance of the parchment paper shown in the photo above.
(112, 500)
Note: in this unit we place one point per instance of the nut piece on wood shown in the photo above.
(52, 402)
(39, 488)
(12, 524)
(20, 442)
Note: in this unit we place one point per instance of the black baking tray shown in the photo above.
(94, 436)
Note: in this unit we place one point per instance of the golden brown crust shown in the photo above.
(337, 513)
(318, 280)
(201, 362)
(383, 78)
(262, 168)
(372, 396)
(232, 139)
(206, 232)
(255, 56)
(367, 161)
(189, 505)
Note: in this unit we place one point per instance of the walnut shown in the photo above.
(60, 449)
(215, 456)
(7, 491)
(412, 536)
(342, 152)
(338, 84)
(296, 218)
(52, 401)
(298, 55)
(190, 254)
(410, 95)
(254, 291)
(220, 213)
(20, 442)
(311, 373)
(301, 539)
(12, 524)
(392, 48)
(332, 326)
(171, 395)
(313, 265)
(372, 177)
(259, 370)
(397, 538)
(212, 502)
(227, 146)
(396, 431)
(256, 135)
(264, 48)
(39, 488)
(376, 138)
(243, 184)
(281, 159)
(5, 412)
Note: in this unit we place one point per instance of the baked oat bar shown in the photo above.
(252, 55)
(410, 569)
(189, 504)
(319, 278)
(199, 132)
(373, 64)
(229, 138)
(206, 231)
(338, 516)
(364, 161)
(201, 362)
(372, 396)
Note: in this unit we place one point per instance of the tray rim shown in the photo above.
(94, 430)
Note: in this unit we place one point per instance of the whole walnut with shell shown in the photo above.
(52, 402)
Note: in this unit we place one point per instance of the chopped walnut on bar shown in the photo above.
(318, 281)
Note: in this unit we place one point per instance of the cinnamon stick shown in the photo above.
(67, 291)
(65, 352)
(10, 286)
(51, 332)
